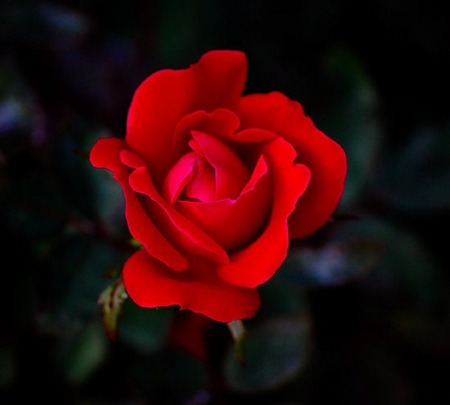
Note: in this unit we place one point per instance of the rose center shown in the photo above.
(211, 171)
(202, 183)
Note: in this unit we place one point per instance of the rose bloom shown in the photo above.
(216, 184)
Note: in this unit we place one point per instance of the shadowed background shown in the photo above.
(359, 312)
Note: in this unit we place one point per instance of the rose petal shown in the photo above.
(256, 263)
(177, 178)
(221, 123)
(202, 185)
(151, 284)
(216, 81)
(130, 159)
(181, 232)
(323, 156)
(252, 135)
(230, 173)
(105, 154)
(231, 223)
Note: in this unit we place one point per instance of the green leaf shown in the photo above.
(8, 365)
(81, 355)
(111, 300)
(277, 351)
(108, 199)
(144, 329)
(280, 297)
(418, 176)
(404, 265)
(354, 121)
(71, 278)
(135, 244)
(17, 107)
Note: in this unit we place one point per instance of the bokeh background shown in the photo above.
(358, 314)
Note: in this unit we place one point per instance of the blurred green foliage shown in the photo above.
(358, 313)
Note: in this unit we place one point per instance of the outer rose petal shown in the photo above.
(216, 81)
(183, 233)
(105, 154)
(151, 284)
(256, 263)
(323, 156)
(220, 122)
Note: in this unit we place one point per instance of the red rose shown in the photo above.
(216, 184)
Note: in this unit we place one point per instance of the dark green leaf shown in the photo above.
(404, 264)
(277, 350)
(81, 355)
(144, 329)
(71, 278)
(354, 122)
(7, 366)
(418, 176)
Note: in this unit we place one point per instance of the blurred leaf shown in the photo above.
(332, 264)
(34, 207)
(61, 23)
(111, 300)
(354, 122)
(276, 351)
(71, 278)
(114, 272)
(107, 196)
(280, 296)
(405, 267)
(80, 356)
(71, 173)
(238, 333)
(19, 113)
(7, 365)
(42, 23)
(135, 243)
(418, 176)
(144, 329)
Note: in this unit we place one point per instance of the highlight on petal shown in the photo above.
(106, 154)
(229, 222)
(323, 156)
(182, 233)
(150, 284)
(216, 81)
(257, 262)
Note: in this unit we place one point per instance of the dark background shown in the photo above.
(358, 314)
